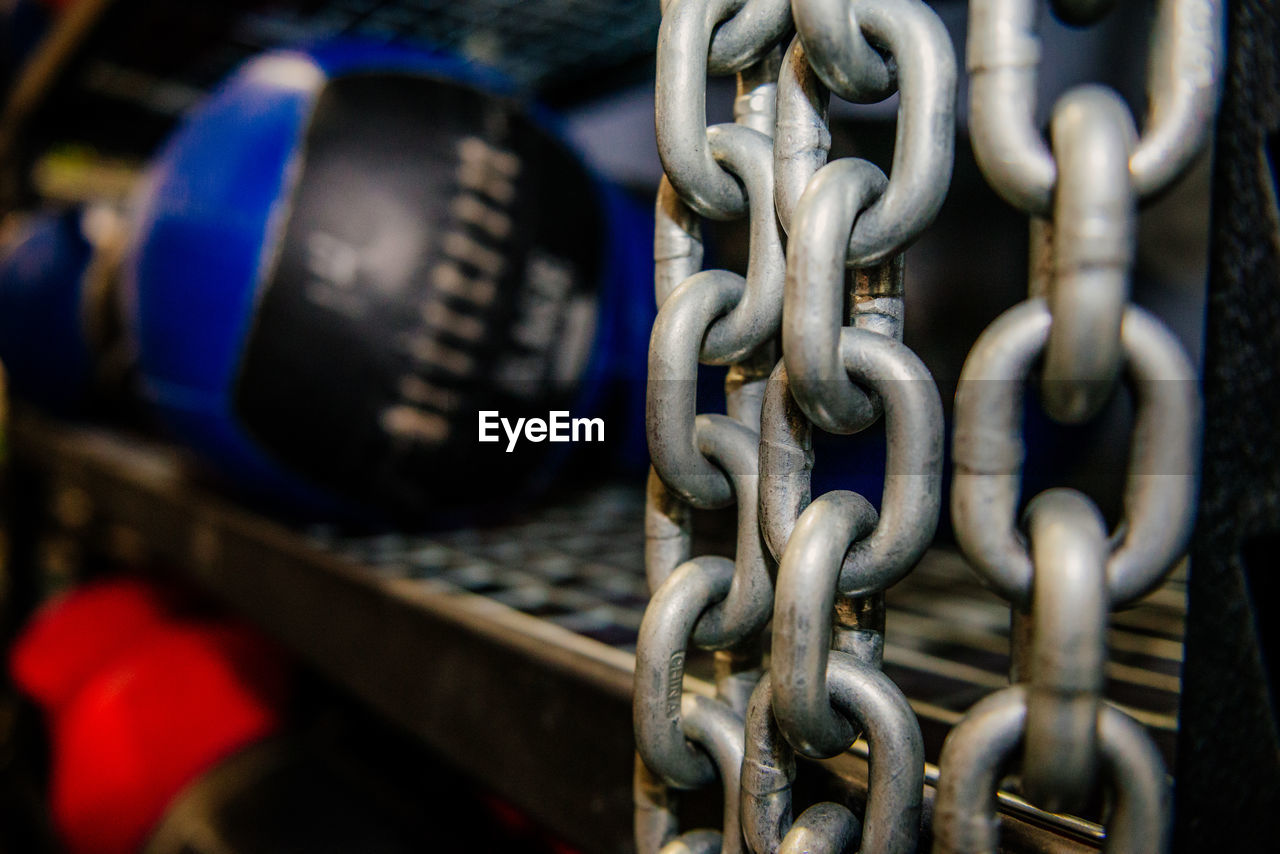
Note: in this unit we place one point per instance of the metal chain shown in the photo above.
(843, 367)
(1061, 572)
(685, 740)
(834, 304)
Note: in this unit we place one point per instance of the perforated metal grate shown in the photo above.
(579, 563)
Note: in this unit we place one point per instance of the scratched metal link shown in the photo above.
(924, 141)
(892, 817)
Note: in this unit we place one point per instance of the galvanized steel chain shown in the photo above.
(834, 299)
(685, 740)
(1062, 571)
(844, 366)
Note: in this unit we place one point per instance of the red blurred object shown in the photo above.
(75, 635)
(140, 702)
(512, 820)
(153, 721)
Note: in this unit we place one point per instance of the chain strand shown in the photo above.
(1064, 575)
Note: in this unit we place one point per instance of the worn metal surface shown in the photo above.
(891, 820)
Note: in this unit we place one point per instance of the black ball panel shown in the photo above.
(440, 255)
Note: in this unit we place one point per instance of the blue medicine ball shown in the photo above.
(44, 336)
(346, 253)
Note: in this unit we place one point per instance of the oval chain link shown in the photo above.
(1092, 175)
(987, 451)
(1067, 654)
(975, 757)
(891, 821)
(924, 143)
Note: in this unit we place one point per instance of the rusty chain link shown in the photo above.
(824, 291)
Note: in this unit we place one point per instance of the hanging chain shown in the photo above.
(1061, 571)
(831, 305)
(1090, 176)
(843, 367)
(683, 740)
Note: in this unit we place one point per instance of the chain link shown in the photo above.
(987, 452)
(891, 821)
(1093, 243)
(918, 44)
(1066, 649)
(1097, 169)
(1184, 69)
(976, 756)
(839, 53)
(831, 305)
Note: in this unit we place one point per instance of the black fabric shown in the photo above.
(1228, 769)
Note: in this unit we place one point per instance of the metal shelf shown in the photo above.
(505, 649)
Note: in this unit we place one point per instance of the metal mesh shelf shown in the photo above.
(509, 648)
(578, 564)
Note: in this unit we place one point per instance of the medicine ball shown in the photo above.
(59, 321)
(43, 335)
(344, 255)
